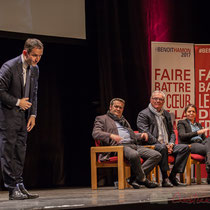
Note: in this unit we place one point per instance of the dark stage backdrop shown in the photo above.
(58, 147)
(78, 78)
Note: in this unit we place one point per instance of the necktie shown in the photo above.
(27, 85)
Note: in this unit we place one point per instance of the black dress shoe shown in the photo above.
(166, 183)
(133, 183)
(148, 183)
(25, 192)
(177, 183)
(16, 194)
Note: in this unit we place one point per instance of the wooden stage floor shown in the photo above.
(112, 198)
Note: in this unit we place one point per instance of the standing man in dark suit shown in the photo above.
(113, 129)
(157, 123)
(18, 110)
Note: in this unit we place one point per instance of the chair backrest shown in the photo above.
(173, 120)
(97, 143)
(177, 136)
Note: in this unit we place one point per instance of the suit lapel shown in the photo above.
(113, 126)
(188, 127)
(20, 74)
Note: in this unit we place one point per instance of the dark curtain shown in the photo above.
(122, 55)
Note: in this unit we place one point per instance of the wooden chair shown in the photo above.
(117, 161)
(120, 164)
(171, 162)
(182, 175)
(197, 160)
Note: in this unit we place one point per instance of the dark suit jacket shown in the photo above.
(185, 132)
(11, 88)
(146, 122)
(104, 126)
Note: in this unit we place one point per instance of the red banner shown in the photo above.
(173, 73)
(202, 88)
(202, 84)
(182, 71)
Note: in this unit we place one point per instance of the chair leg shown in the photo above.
(93, 170)
(198, 173)
(182, 177)
(188, 170)
(127, 175)
(121, 171)
(149, 176)
(157, 174)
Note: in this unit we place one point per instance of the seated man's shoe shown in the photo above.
(148, 183)
(22, 188)
(177, 183)
(166, 183)
(133, 183)
(16, 194)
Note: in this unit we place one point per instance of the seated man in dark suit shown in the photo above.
(157, 123)
(113, 129)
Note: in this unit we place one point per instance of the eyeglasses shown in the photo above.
(160, 99)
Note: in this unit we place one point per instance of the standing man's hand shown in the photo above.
(24, 103)
(31, 123)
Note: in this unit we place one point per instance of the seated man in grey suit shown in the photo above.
(157, 123)
(113, 129)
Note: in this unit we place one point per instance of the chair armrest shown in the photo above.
(107, 149)
(149, 146)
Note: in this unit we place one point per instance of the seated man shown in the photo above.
(157, 123)
(113, 129)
